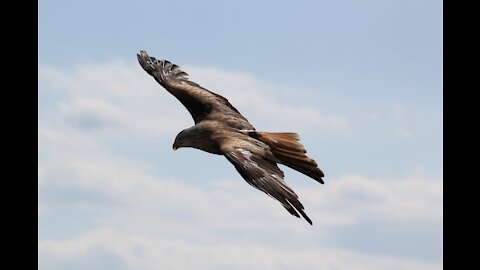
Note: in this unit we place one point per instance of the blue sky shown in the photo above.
(360, 81)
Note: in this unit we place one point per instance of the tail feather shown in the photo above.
(289, 151)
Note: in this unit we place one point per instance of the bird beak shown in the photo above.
(175, 146)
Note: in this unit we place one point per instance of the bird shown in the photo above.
(222, 130)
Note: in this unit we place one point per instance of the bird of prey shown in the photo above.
(221, 129)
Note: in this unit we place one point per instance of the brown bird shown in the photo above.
(221, 129)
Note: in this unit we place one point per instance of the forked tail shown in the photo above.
(286, 147)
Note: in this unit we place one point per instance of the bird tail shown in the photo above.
(286, 147)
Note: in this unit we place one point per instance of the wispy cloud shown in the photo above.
(139, 252)
(356, 197)
(150, 218)
(122, 94)
(263, 100)
(92, 168)
(111, 98)
(162, 220)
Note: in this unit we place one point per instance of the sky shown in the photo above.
(359, 81)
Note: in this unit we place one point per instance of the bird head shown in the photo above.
(197, 137)
(175, 145)
(179, 141)
(183, 139)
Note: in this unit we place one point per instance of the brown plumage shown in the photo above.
(221, 129)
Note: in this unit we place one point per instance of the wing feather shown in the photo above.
(201, 103)
(265, 175)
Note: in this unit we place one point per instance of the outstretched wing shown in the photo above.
(200, 102)
(264, 174)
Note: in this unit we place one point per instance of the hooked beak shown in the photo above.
(175, 146)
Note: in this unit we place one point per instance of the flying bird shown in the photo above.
(221, 129)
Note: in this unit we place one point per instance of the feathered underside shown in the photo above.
(265, 175)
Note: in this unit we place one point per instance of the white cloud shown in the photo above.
(115, 98)
(89, 112)
(160, 219)
(355, 197)
(123, 94)
(340, 201)
(118, 94)
(260, 100)
(141, 252)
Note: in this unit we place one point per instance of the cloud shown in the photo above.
(121, 95)
(139, 252)
(114, 99)
(414, 197)
(78, 162)
(90, 113)
(262, 100)
(145, 215)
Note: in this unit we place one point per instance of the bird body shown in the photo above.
(221, 129)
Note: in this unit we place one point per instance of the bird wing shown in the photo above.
(200, 102)
(261, 172)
